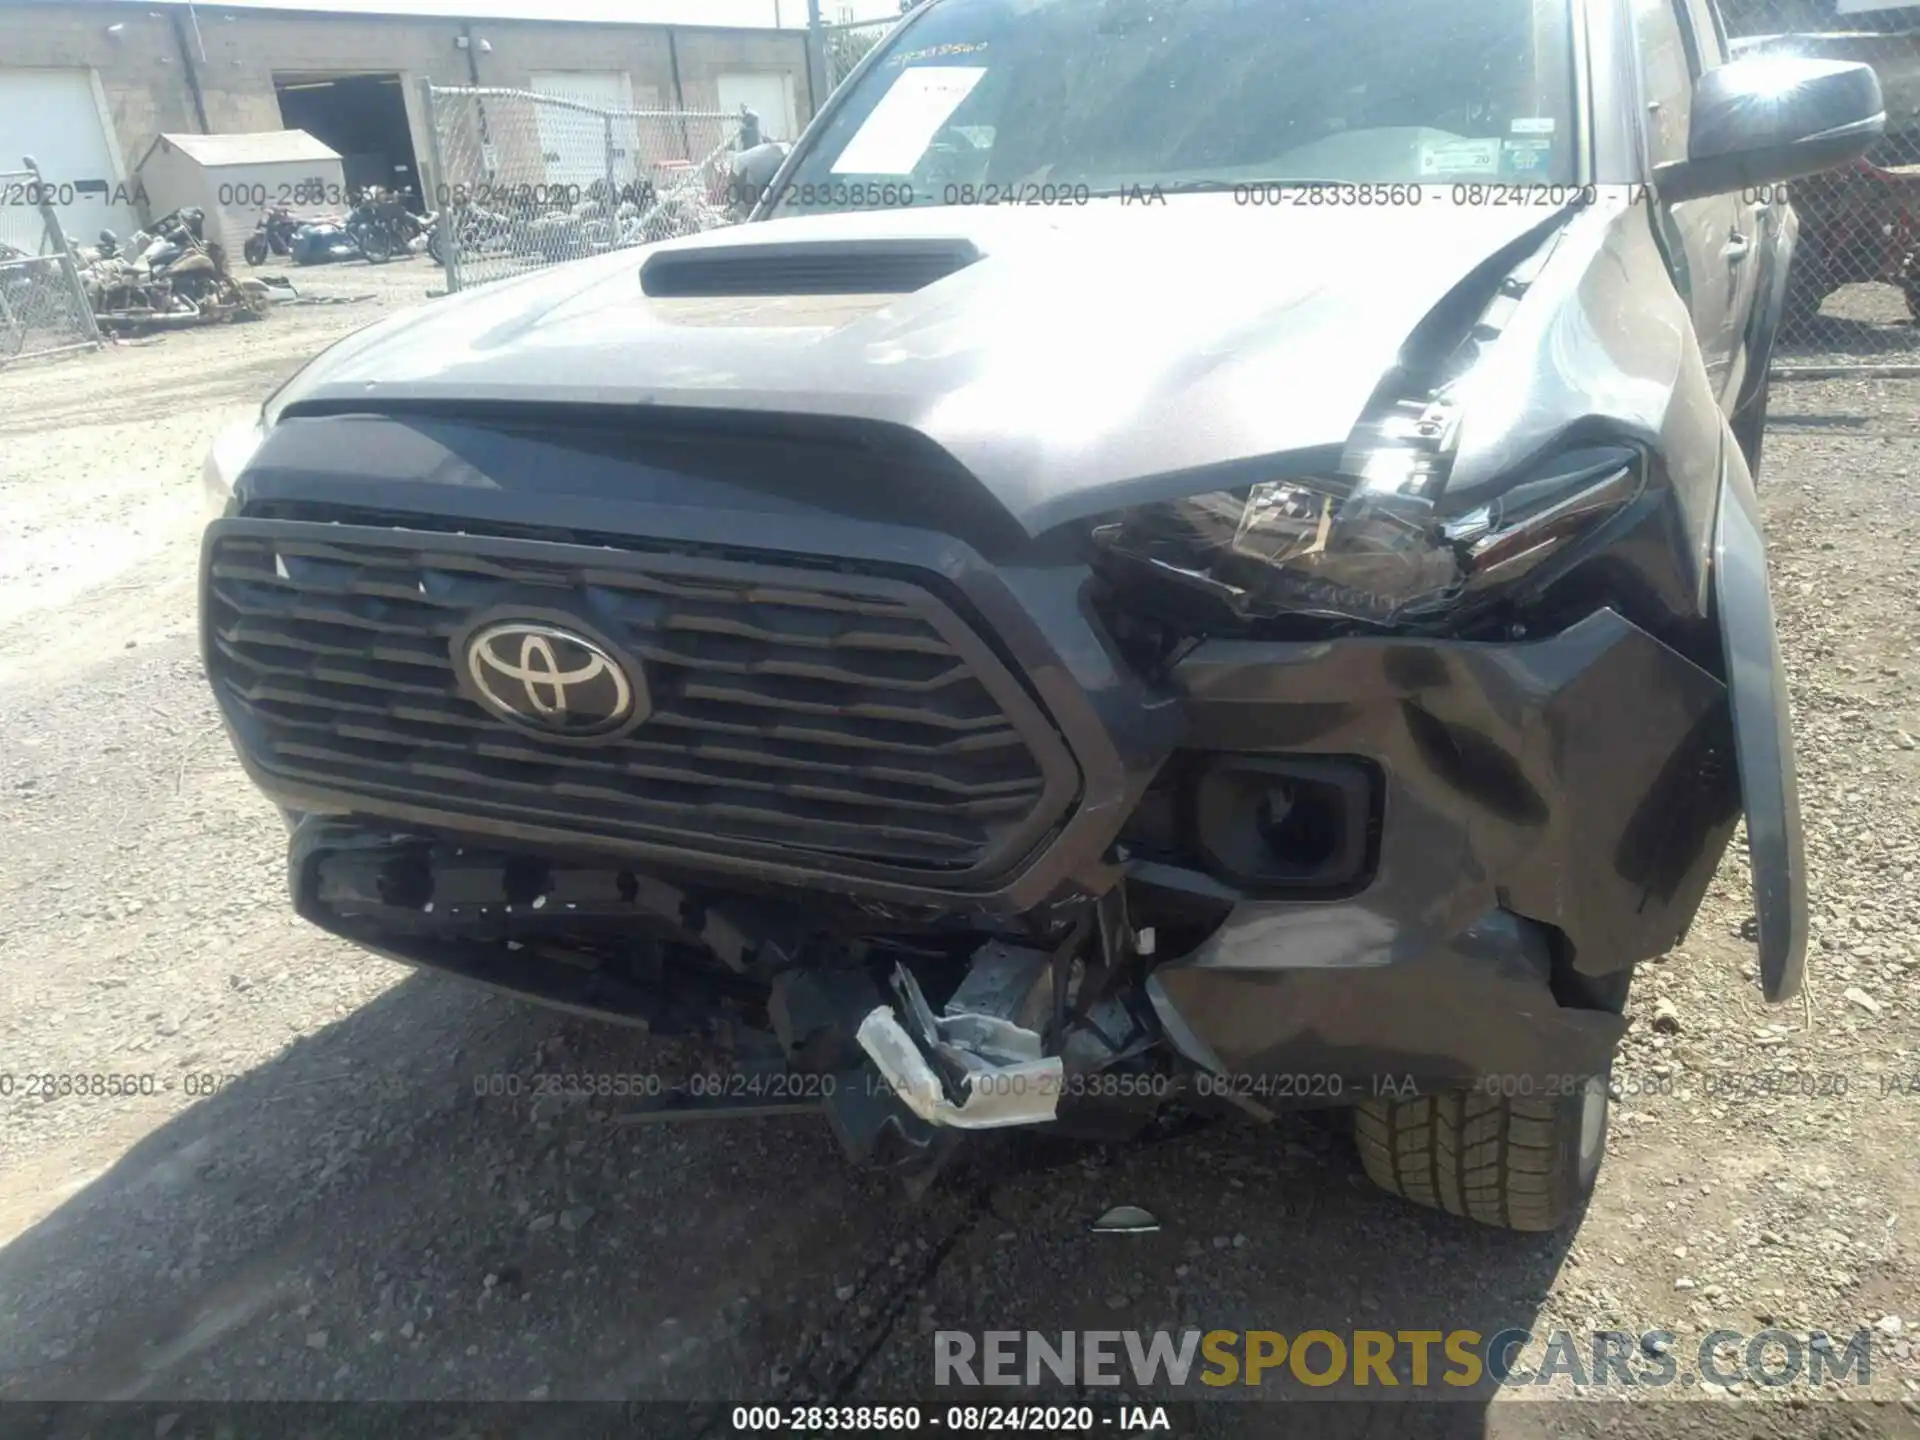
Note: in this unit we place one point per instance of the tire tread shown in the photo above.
(1506, 1162)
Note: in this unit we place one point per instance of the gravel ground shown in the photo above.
(314, 1202)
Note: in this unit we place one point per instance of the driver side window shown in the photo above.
(1667, 66)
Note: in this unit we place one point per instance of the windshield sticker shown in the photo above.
(1461, 157)
(905, 121)
(1533, 125)
(1526, 156)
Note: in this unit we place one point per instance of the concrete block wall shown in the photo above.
(235, 54)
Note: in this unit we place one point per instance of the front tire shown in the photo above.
(1517, 1162)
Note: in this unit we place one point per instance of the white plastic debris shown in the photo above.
(1125, 1220)
(1004, 1077)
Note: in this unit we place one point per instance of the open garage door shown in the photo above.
(363, 118)
(54, 116)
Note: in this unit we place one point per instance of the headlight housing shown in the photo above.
(232, 448)
(1378, 548)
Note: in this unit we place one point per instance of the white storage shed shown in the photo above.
(233, 178)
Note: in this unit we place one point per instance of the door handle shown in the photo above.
(1737, 249)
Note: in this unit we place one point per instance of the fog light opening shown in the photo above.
(1303, 824)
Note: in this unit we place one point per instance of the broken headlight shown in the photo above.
(1369, 548)
(231, 450)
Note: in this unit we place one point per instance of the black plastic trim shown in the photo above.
(307, 790)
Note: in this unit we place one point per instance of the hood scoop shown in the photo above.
(805, 267)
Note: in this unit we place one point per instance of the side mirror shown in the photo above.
(1771, 118)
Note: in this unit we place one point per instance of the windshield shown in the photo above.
(981, 99)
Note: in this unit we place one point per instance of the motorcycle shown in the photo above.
(382, 226)
(169, 274)
(324, 242)
(272, 236)
(703, 198)
(474, 230)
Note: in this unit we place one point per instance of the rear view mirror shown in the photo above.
(1773, 118)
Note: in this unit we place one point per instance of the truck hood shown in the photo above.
(1088, 351)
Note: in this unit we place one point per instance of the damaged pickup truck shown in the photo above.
(1193, 555)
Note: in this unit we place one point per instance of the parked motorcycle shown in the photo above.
(382, 226)
(698, 199)
(272, 236)
(324, 242)
(196, 267)
(169, 274)
(475, 230)
(676, 214)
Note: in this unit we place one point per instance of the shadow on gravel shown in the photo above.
(1812, 337)
(1821, 422)
(363, 1218)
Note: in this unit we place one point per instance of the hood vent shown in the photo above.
(812, 267)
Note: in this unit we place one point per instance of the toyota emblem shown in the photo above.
(553, 681)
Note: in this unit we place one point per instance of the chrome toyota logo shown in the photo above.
(552, 681)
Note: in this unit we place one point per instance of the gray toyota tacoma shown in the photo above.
(1189, 556)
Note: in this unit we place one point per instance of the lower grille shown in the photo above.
(841, 724)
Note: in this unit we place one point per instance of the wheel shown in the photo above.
(376, 244)
(253, 299)
(1519, 1163)
(255, 249)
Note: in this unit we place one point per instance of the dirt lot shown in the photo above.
(342, 1216)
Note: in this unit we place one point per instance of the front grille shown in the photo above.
(830, 722)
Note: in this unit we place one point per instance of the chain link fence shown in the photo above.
(1853, 293)
(43, 307)
(845, 46)
(523, 180)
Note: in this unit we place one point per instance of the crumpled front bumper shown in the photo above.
(1553, 813)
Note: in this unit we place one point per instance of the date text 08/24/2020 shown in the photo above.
(1112, 1419)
